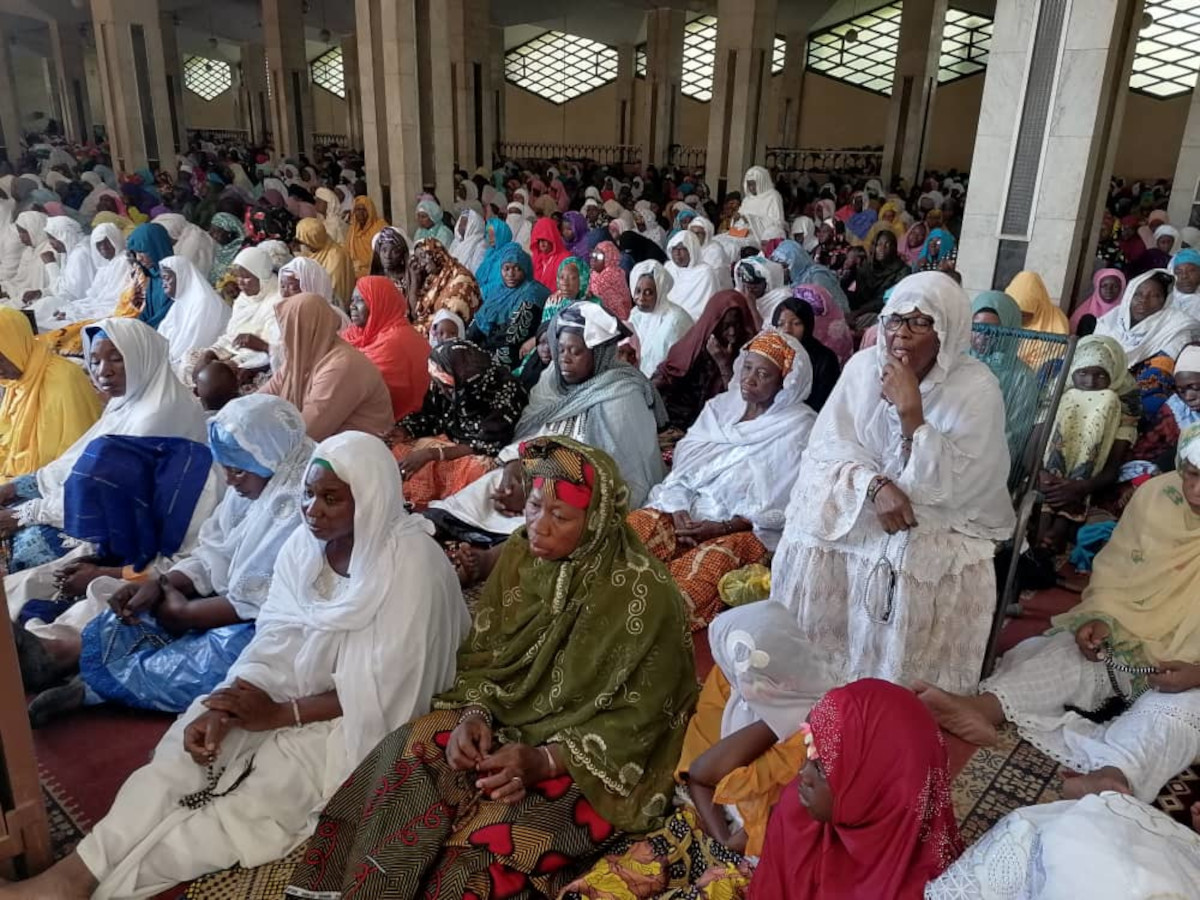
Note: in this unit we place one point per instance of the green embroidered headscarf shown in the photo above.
(591, 652)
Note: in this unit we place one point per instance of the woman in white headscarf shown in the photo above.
(72, 272)
(11, 247)
(888, 551)
(646, 223)
(31, 277)
(331, 214)
(657, 321)
(177, 635)
(762, 205)
(252, 326)
(470, 239)
(732, 473)
(693, 281)
(304, 275)
(804, 231)
(358, 633)
(713, 253)
(190, 240)
(520, 221)
(196, 318)
(128, 361)
(113, 270)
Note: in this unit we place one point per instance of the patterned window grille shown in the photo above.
(1167, 56)
(699, 57)
(560, 67)
(329, 73)
(207, 78)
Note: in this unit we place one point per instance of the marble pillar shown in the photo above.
(791, 90)
(67, 50)
(496, 105)
(1184, 208)
(664, 77)
(353, 92)
(173, 61)
(470, 81)
(626, 64)
(436, 95)
(256, 101)
(292, 117)
(914, 87)
(10, 112)
(737, 126)
(133, 83)
(1048, 131)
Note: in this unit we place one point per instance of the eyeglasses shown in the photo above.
(918, 324)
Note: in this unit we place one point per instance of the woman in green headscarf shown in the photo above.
(574, 276)
(563, 727)
(999, 351)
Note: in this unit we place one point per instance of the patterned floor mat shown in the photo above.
(67, 824)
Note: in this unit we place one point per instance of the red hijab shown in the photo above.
(389, 341)
(688, 348)
(545, 265)
(893, 827)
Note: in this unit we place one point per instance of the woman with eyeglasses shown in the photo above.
(887, 555)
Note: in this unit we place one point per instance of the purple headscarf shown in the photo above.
(578, 245)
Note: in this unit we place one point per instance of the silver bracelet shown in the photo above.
(296, 712)
(550, 760)
(475, 712)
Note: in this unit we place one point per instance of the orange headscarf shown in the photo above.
(389, 341)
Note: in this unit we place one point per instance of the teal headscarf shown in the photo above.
(558, 303)
(488, 273)
(998, 352)
(152, 239)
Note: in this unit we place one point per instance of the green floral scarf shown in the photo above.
(591, 652)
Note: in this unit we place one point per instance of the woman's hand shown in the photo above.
(251, 342)
(509, 498)
(697, 531)
(8, 493)
(29, 296)
(1090, 637)
(398, 435)
(73, 579)
(901, 388)
(527, 347)
(8, 523)
(416, 461)
(1175, 677)
(202, 738)
(250, 707)
(894, 509)
(131, 599)
(1061, 493)
(247, 376)
(511, 770)
(721, 353)
(470, 743)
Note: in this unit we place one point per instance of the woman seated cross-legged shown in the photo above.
(469, 415)
(722, 505)
(1135, 636)
(160, 642)
(561, 730)
(357, 635)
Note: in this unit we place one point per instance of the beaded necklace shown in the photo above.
(1107, 656)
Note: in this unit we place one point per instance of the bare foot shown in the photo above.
(1109, 778)
(68, 879)
(473, 564)
(959, 715)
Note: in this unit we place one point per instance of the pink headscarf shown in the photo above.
(830, 325)
(1093, 305)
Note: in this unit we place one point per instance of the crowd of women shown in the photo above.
(256, 443)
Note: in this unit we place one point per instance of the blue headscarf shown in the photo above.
(802, 269)
(1185, 256)
(501, 302)
(153, 240)
(488, 273)
(944, 249)
(134, 496)
(232, 455)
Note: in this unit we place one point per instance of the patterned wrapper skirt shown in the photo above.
(438, 480)
(406, 825)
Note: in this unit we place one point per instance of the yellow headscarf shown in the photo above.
(46, 409)
(111, 218)
(895, 226)
(332, 256)
(1028, 289)
(358, 240)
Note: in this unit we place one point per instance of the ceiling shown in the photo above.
(233, 22)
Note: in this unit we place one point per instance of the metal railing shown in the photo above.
(219, 135)
(809, 159)
(688, 157)
(609, 154)
(328, 139)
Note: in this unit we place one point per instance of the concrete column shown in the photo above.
(470, 78)
(664, 76)
(791, 90)
(291, 85)
(256, 102)
(353, 92)
(133, 83)
(67, 49)
(737, 126)
(496, 105)
(626, 62)
(174, 66)
(913, 88)
(1049, 125)
(436, 97)
(10, 112)
(1185, 189)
